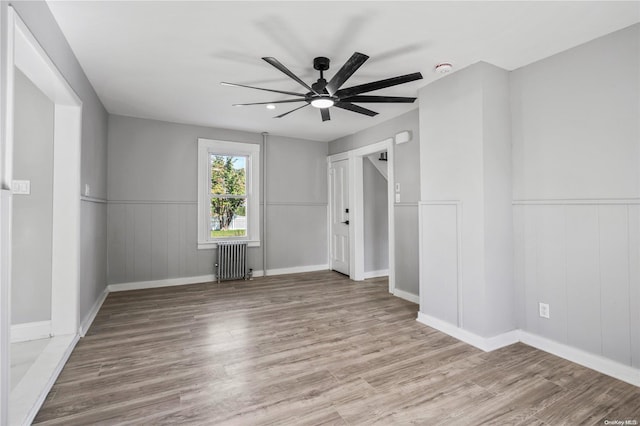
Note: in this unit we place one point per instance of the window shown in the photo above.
(228, 192)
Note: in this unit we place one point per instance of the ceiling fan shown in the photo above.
(323, 94)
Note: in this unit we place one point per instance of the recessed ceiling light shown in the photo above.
(271, 106)
(322, 102)
(443, 67)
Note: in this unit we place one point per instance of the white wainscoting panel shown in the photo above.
(296, 235)
(93, 259)
(151, 241)
(634, 283)
(582, 258)
(439, 261)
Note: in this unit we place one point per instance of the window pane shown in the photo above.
(228, 174)
(228, 217)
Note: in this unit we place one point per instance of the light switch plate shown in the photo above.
(397, 197)
(21, 187)
(398, 187)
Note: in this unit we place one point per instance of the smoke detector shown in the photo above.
(443, 67)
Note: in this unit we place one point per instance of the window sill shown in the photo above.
(209, 245)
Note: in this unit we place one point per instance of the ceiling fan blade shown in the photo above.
(224, 83)
(378, 99)
(325, 114)
(355, 61)
(289, 112)
(286, 101)
(275, 63)
(376, 85)
(355, 108)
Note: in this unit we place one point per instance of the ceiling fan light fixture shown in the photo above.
(271, 106)
(322, 102)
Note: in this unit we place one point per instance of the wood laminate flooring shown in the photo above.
(311, 349)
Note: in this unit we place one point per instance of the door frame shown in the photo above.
(356, 207)
(25, 53)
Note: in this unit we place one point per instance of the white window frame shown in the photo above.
(206, 147)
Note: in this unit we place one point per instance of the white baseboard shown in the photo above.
(88, 320)
(376, 274)
(603, 365)
(595, 362)
(141, 285)
(29, 394)
(30, 331)
(487, 344)
(406, 296)
(296, 270)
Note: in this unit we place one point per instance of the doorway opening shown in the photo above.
(28, 62)
(347, 203)
(375, 215)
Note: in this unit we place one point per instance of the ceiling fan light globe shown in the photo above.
(322, 103)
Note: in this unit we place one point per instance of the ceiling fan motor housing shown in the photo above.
(321, 63)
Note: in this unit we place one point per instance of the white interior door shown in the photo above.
(339, 178)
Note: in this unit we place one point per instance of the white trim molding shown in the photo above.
(595, 362)
(30, 331)
(29, 394)
(5, 305)
(570, 201)
(295, 270)
(338, 157)
(24, 52)
(486, 344)
(91, 315)
(141, 285)
(170, 282)
(376, 274)
(356, 206)
(413, 298)
(251, 151)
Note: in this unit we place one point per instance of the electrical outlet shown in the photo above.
(544, 309)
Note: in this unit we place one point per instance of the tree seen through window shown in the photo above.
(228, 196)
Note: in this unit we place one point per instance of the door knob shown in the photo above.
(346, 222)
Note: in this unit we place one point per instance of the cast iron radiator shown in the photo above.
(232, 260)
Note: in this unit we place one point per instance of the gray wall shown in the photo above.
(407, 174)
(576, 152)
(41, 23)
(32, 214)
(152, 211)
(376, 219)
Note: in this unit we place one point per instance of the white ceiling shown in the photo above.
(165, 59)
